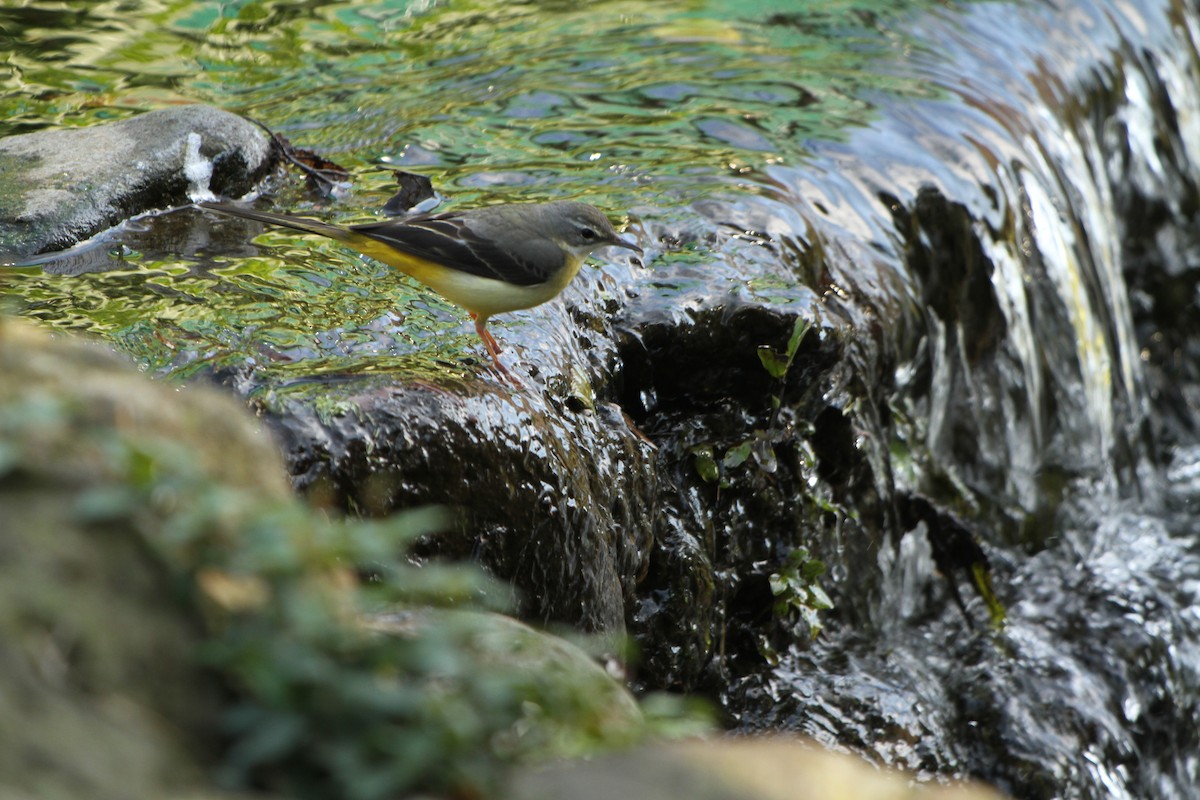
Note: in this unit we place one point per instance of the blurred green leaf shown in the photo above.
(105, 504)
(799, 329)
(706, 464)
(10, 456)
(775, 364)
(796, 589)
(271, 737)
(737, 455)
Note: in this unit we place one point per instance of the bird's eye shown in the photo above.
(587, 234)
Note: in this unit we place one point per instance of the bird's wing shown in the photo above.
(451, 240)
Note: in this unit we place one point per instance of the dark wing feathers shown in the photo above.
(449, 240)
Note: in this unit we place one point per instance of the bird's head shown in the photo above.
(581, 229)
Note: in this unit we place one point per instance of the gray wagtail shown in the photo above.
(488, 260)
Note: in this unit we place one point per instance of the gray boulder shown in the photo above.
(60, 187)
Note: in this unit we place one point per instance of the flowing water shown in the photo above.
(1043, 374)
(629, 105)
(1089, 689)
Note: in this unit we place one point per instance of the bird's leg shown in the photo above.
(493, 347)
(489, 341)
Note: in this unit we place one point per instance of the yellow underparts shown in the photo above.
(481, 296)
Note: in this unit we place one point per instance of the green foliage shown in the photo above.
(706, 464)
(797, 591)
(673, 716)
(760, 446)
(321, 705)
(777, 364)
(795, 586)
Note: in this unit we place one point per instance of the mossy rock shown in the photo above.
(59, 187)
(733, 769)
(99, 694)
(172, 617)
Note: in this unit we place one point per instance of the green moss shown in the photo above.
(264, 632)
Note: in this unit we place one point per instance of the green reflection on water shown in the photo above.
(295, 312)
(622, 103)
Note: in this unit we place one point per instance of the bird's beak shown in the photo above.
(626, 245)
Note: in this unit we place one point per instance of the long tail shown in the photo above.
(428, 273)
(296, 223)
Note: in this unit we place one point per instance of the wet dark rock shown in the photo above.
(699, 392)
(559, 501)
(114, 616)
(415, 194)
(101, 695)
(59, 187)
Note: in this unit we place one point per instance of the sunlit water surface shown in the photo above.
(628, 105)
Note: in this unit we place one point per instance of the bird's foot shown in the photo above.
(502, 370)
